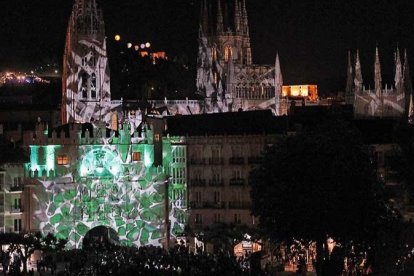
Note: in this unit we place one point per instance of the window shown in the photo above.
(181, 218)
(1, 181)
(237, 174)
(197, 196)
(217, 197)
(227, 53)
(63, 160)
(215, 152)
(136, 156)
(17, 225)
(17, 203)
(198, 219)
(84, 87)
(217, 218)
(237, 218)
(93, 86)
(17, 181)
(236, 151)
(379, 156)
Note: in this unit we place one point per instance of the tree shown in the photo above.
(320, 183)
(25, 245)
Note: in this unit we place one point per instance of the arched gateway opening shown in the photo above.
(100, 236)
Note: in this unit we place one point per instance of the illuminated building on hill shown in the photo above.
(84, 176)
(306, 92)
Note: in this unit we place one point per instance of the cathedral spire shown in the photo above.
(220, 27)
(358, 74)
(377, 77)
(204, 17)
(245, 20)
(408, 89)
(237, 17)
(398, 78)
(349, 73)
(411, 111)
(278, 84)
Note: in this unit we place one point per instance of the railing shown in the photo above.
(236, 182)
(196, 205)
(197, 182)
(216, 183)
(255, 160)
(14, 209)
(207, 205)
(236, 160)
(197, 161)
(216, 161)
(239, 205)
(16, 188)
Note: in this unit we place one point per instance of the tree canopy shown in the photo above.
(319, 182)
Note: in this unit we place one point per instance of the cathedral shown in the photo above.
(389, 101)
(226, 75)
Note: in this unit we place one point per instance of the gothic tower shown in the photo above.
(222, 45)
(86, 93)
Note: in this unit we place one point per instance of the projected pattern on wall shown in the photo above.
(86, 84)
(107, 187)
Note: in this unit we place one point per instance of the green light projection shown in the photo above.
(104, 186)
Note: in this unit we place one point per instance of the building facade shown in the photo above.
(222, 149)
(13, 198)
(84, 176)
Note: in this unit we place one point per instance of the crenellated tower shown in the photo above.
(86, 93)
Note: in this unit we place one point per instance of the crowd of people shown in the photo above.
(156, 261)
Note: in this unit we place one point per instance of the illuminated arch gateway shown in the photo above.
(86, 93)
(86, 176)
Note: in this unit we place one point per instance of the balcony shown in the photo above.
(255, 160)
(197, 182)
(16, 210)
(240, 205)
(236, 182)
(197, 161)
(216, 183)
(207, 205)
(18, 188)
(196, 205)
(236, 160)
(216, 161)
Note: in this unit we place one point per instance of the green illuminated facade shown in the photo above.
(85, 176)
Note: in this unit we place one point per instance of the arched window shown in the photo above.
(84, 86)
(227, 53)
(93, 86)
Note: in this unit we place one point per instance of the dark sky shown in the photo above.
(312, 37)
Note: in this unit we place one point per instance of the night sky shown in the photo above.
(312, 37)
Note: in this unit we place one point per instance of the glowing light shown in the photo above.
(142, 46)
(147, 44)
(117, 37)
(129, 45)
